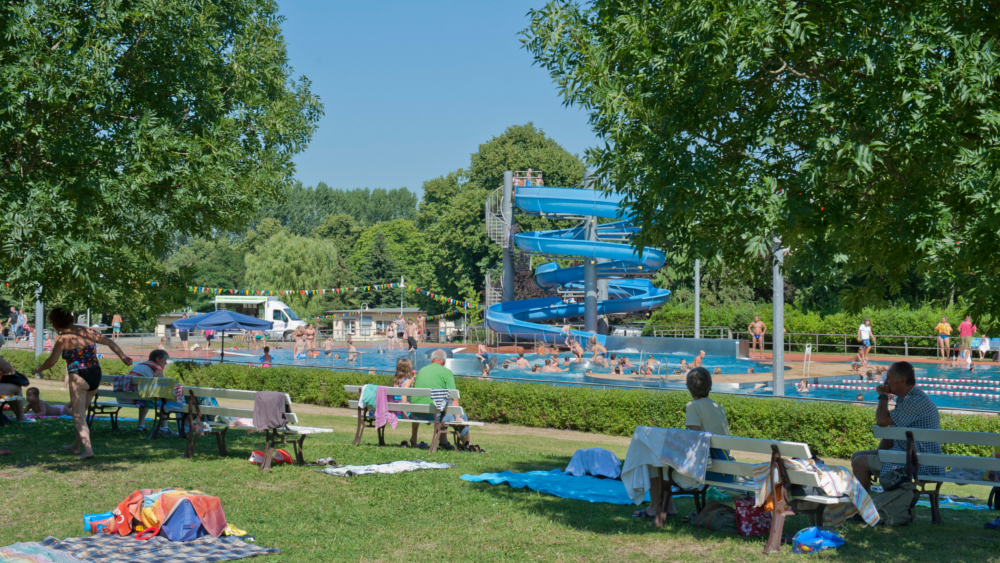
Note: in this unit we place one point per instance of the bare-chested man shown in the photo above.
(521, 362)
(575, 348)
(352, 352)
(567, 329)
(551, 367)
(600, 352)
(698, 359)
(328, 346)
(757, 330)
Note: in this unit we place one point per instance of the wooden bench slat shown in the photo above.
(753, 445)
(940, 436)
(960, 461)
(745, 486)
(405, 391)
(456, 423)
(737, 468)
(822, 499)
(227, 394)
(409, 407)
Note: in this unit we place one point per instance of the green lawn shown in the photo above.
(432, 515)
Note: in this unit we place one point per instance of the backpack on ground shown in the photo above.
(718, 517)
(897, 507)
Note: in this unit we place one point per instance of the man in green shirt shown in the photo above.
(435, 376)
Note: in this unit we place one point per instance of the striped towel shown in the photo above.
(440, 398)
(835, 481)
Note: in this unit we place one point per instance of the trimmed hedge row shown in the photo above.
(830, 429)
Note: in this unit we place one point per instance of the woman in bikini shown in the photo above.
(78, 346)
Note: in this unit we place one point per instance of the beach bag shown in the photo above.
(718, 517)
(279, 457)
(813, 539)
(751, 520)
(994, 501)
(898, 506)
(183, 523)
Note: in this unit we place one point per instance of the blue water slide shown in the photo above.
(616, 258)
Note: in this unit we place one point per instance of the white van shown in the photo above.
(267, 308)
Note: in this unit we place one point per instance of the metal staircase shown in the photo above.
(495, 222)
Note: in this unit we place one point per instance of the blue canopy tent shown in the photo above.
(222, 321)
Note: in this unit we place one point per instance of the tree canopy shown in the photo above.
(302, 209)
(123, 125)
(864, 134)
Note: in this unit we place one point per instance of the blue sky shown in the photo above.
(411, 89)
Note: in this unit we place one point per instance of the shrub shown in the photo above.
(830, 429)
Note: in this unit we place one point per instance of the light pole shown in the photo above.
(778, 322)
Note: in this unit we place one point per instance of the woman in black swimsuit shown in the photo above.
(78, 346)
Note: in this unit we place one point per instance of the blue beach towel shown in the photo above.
(564, 485)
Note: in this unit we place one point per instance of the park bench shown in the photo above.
(195, 414)
(366, 414)
(787, 504)
(108, 402)
(11, 399)
(930, 485)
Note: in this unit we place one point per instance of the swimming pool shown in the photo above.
(979, 390)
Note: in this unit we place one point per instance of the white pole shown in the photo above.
(39, 323)
(88, 316)
(697, 298)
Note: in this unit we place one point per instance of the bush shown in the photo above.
(830, 429)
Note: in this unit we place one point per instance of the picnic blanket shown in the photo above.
(686, 451)
(112, 548)
(560, 484)
(835, 481)
(383, 468)
(598, 462)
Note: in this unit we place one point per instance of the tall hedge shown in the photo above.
(830, 429)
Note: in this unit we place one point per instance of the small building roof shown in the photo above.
(380, 311)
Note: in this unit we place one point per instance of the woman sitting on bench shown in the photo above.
(702, 415)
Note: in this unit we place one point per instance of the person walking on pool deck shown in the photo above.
(701, 415)
(757, 329)
(866, 338)
(435, 376)
(944, 337)
(914, 409)
(183, 334)
(965, 331)
(116, 326)
(78, 346)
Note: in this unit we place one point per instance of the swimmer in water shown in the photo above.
(698, 359)
(352, 352)
(802, 386)
(328, 345)
(265, 360)
(521, 362)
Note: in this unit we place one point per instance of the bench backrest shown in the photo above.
(212, 392)
(753, 445)
(944, 437)
(404, 392)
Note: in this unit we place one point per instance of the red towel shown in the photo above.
(208, 508)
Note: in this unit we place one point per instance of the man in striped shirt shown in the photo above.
(914, 409)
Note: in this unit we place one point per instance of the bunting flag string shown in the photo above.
(335, 291)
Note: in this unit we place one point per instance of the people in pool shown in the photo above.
(352, 352)
(483, 354)
(757, 331)
(717, 371)
(36, 405)
(566, 361)
(300, 348)
(310, 336)
(551, 367)
(697, 363)
(535, 368)
(265, 360)
(576, 349)
(802, 386)
(485, 373)
(521, 362)
(328, 346)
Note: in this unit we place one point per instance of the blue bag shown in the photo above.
(88, 518)
(183, 524)
(813, 539)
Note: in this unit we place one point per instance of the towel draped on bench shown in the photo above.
(835, 482)
(686, 451)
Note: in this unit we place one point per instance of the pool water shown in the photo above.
(943, 393)
(948, 387)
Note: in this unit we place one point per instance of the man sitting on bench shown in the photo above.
(914, 409)
(435, 376)
(153, 367)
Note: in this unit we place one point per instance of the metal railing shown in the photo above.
(684, 331)
(495, 224)
(848, 343)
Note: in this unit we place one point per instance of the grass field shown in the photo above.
(431, 515)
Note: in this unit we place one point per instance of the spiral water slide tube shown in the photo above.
(614, 256)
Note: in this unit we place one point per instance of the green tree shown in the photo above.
(862, 133)
(452, 213)
(124, 125)
(289, 262)
(303, 209)
(341, 229)
(378, 266)
(208, 263)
